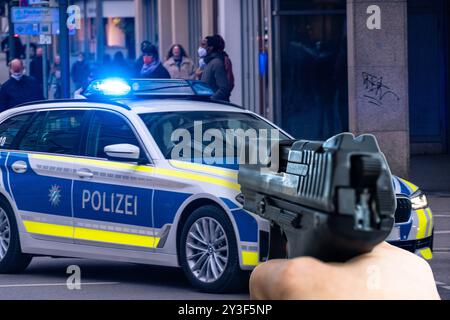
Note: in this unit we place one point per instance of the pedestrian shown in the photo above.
(120, 67)
(152, 67)
(145, 45)
(19, 88)
(55, 78)
(94, 74)
(201, 59)
(36, 68)
(80, 71)
(178, 63)
(18, 48)
(214, 72)
(227, 62)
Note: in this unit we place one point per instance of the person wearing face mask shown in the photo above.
(202, 53)
(178, 64)
(19, 88)
(214, 72)
(151, 67)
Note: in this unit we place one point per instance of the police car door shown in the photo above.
(40, 173)
(112, 198)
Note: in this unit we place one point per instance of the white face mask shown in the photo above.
(202, 52)
(17, 76)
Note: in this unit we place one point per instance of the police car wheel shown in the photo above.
(208, 252)
(12, 260)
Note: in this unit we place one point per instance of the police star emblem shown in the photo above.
(54, 195)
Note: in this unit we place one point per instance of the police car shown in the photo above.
(96, 178)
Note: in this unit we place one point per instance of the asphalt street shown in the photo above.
(46, 277)
(441, 260)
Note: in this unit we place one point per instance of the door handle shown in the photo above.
(19, 167)
(85, 174)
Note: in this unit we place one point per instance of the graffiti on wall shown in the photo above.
(376, 91)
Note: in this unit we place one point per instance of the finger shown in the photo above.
(286, 279)
(262, 279)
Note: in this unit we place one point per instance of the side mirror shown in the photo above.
(123, 152)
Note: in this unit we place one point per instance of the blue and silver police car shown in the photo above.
(95, 178)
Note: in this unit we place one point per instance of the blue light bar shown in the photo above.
(110, 87)
(148, 88)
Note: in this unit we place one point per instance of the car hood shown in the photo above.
(403, 187)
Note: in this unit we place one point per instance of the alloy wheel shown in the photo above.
(207, 249)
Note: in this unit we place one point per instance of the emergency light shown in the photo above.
(110, 87)
(148, 88)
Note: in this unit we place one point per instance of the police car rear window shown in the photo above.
(10, 128)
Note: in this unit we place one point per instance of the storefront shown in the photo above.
(118, 24)
(332, 68)
(428, 41)
(310, 59)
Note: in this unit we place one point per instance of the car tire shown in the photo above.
(202, 256)
(12, 260)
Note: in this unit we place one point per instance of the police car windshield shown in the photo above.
(189, 134)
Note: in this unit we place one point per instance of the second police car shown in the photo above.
(95, 179)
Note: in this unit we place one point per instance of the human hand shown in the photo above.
(387, 273)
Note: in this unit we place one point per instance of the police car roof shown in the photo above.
(138, 106)
(177, 105)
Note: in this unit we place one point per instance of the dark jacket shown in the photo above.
(80, 73)
(14, 93)
(215, 75)
(36, 70)
(159, 73)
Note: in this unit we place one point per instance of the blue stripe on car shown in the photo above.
(31, 191)
(405, 229)
(404, 189)
(230, 204)
(247, 226)
(166, 205)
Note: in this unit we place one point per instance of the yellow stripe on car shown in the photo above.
(115, 238)
(422, 224)
(198, 177)
(250, 258)
(430, 217)
(204, 168)
(413, 187)
(47, 229)
(427, 254)
(151, 170)
(77, 233)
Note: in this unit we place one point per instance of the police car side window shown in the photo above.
(107, 128)
(54, 132)
(10, 128)
(30, 139)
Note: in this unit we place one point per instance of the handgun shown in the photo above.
(331, 200)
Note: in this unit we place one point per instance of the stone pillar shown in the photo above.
(207, 17)
(180, 23)
(165, 25)
(378, 76)
(230, 28)
(139, 31)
